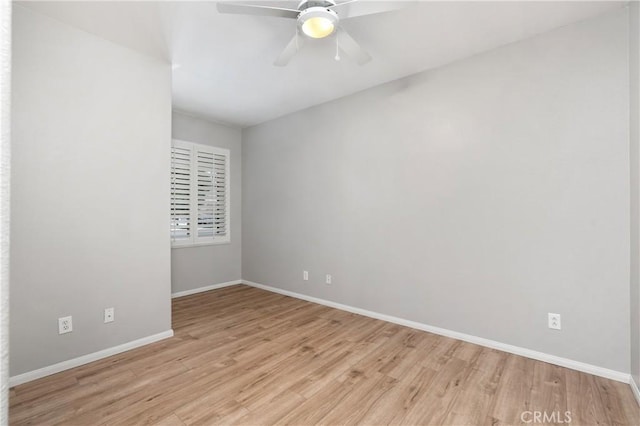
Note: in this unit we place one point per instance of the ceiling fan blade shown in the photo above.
(352, 48)
(253, 9)
(354, 8)
(292, 48)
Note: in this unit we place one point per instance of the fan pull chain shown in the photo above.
(337, 58)
(297, 37)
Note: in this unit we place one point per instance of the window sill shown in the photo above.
(200, 245)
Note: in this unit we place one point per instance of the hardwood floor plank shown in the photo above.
(513, 396)
(171, 420)
(210, 408)
(273, 409)
(617, 401)
(320, 405)
(474, 402)
(315, 380)
(245, 356)
(549, 394)
(583, 396)
(433, 407)
(395, 404)
(355, 406)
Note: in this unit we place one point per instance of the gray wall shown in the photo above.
(634, 81)
(91, 124)
(195, 267)
(477, 197)
(5, 166)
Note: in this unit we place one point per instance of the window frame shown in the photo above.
(193, 240)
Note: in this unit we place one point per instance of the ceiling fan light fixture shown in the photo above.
(318, 27)
(318, 22)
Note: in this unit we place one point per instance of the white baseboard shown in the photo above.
(85, 359)
(528, 353)
(206, 288)
(635, 390)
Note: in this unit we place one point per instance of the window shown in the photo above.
(199, 194)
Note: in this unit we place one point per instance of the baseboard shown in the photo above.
(635, 390)
(528, 353)
(85, 359)
(206, 288)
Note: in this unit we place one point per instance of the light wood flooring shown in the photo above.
(246, 356)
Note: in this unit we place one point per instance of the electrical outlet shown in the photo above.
(329, 279)
(65, 325)
(109, 315)
(554, 321)
(305, 275)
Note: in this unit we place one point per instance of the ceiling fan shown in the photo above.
(316, 19)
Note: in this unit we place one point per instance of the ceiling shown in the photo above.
(223, 64)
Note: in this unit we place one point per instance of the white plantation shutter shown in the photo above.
(181, 193)
(199, 194)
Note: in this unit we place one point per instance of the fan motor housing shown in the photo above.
(306, 4)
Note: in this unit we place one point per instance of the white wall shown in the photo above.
(91, 124)
(477, 197)
(195, 267)
(634, 82)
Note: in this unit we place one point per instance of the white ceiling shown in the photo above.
(223, 64)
